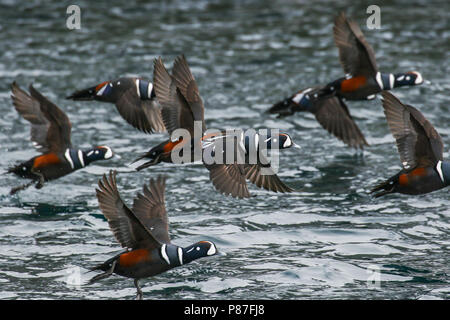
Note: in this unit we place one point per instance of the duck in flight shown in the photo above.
(50, 133)
(183, 108)
(421, 151)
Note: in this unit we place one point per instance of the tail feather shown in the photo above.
(282, 108)
(108, 268)
(387, 187)
(147, 164)
(83, 95)
(99, 277)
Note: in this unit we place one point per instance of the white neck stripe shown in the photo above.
(180, 255)
(137, 87)
(149, 90)
(164, 254)
(391, 81)
(100, 92)
(288, 142)
(379, 80)
(68, 158)
(439, 170)
(80, 157)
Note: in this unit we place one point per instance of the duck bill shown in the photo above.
(296, 146)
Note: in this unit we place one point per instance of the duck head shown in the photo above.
(199, 250)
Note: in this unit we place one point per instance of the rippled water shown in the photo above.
(321, 242)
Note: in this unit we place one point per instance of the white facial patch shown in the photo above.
(212, 250)
(68, 158)
(100, 92)
(108, 153)
(288, 142)
(419, 78)
(298, 97)
(439, 170)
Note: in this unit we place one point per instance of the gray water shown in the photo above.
(319, 243)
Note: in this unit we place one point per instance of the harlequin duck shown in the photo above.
(50, 133)
(229, 175)
(331, 112)
(357, 58)
(182, 108)
(421, 151)
(134, 99)
(143, 231)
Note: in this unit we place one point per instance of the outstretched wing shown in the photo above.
(188, 86)
(175, 112)
(226, 170)
(418, 143)
(149, 207)
(128, 229)
(356, 55)
(50, 126)
(144, 115)
(229, 179)
(263, 176)
(334, 116)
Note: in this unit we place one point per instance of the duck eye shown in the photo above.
(96, 152)
(198, 248)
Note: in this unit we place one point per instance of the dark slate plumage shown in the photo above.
(134, 99)
(421, 151)
(332, 114)
(50, 133)
(144, 231)
(183, 108)
(363, 79)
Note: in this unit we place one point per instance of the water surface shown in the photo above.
(319, 243)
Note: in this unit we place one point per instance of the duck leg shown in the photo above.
(22, 187)
(41, 181)
(139, 291)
